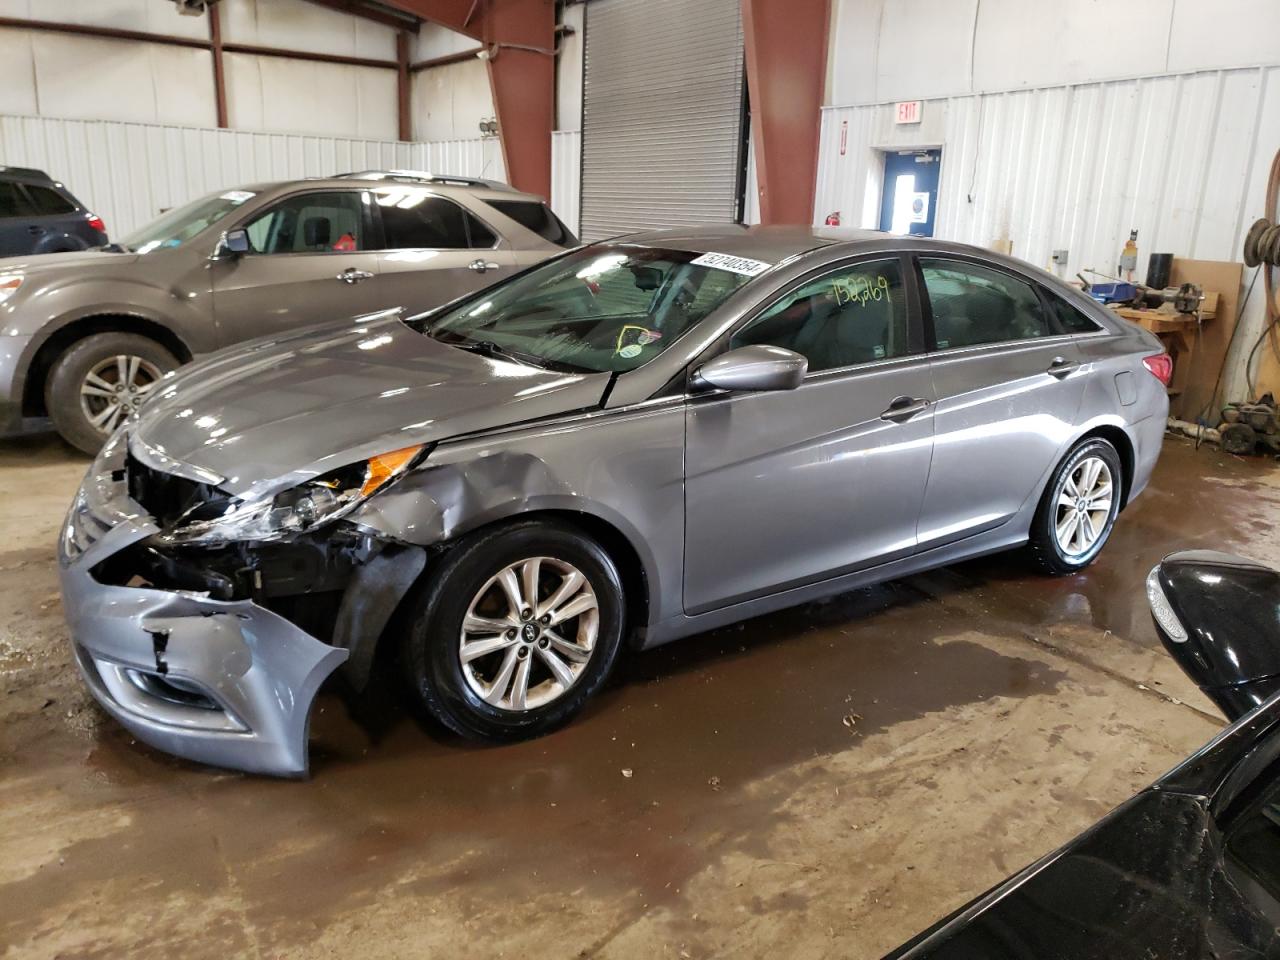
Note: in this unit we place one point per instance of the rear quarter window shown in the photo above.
(49, 202)
(537, 217)
(1064, 318)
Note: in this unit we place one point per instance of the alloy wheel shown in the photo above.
(528, 634)
(1083, 506)
(114, 388)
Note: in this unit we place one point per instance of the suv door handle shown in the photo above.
(902, 409)
(1061, 367)
(35, 229)
(352, 275)
(480, 266)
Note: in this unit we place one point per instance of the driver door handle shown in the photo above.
(902, 409)
(480, 266)
(352, 275)
(1061, 367)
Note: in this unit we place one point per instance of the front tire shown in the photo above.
(515, 631)
(1078, 509)
(99, 381)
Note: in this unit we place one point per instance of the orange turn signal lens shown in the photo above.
(385, 466)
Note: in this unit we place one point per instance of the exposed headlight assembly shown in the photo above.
(1162, 611)
(9, 284)
(298, 509)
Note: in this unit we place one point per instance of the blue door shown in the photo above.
(909, 200)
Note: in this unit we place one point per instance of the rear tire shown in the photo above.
(1078, 509)
(80, 392)
(491, 664)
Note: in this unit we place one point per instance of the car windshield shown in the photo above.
(610, 307)
(176, 227)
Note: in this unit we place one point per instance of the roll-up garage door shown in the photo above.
(662, 114)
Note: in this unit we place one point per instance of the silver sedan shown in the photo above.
(630, 443)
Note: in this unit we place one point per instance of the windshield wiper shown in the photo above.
(488, 348)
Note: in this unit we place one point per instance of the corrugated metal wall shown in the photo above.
(566, 177)
(662, 114)
(1182, 159)
(128, 172)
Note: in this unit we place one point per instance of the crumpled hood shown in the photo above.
(277, 411)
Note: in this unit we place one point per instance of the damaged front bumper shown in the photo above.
(224, 682)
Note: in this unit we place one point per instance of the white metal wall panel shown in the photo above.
(1182, 159)
(566, 177)
(662, 114)
(129, 172)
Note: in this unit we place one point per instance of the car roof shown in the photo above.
(27, 175)
(478, 189)
(771, 244)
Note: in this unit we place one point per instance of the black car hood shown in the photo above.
(277, 411)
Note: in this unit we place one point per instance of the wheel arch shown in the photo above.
(58, 341)
(636, 579)
(1115, 436)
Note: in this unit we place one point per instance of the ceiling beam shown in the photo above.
(461, 16)
(377, 14)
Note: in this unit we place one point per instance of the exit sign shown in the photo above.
(908, 112)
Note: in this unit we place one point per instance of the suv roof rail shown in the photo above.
(419, 176)
(31, 172)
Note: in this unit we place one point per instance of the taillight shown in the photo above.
(95, 223)
(1161, 366)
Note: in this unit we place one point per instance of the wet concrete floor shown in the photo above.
(821, 782)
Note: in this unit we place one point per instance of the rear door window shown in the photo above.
(974, 305)
(12, 202)
(418, 220)
(1064, 318)
(321, 222)
(537, 217)
(48, 202)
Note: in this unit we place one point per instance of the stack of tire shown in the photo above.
(1248, 426)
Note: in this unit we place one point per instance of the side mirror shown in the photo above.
(1217, 616)
(234, 243)
(754, 368)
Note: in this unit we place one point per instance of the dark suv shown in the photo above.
(39, 215)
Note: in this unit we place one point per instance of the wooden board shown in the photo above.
(1214, 336)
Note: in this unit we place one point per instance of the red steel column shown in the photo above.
(786, 54)
(523, 80)
(524, 86)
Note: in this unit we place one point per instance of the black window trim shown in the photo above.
(926, 308)
(915, 331)
(366, 220)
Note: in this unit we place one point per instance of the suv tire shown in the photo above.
(81, 386)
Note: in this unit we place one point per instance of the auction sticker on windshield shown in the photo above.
(723, 261)
(236, 196)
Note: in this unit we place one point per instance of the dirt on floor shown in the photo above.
(825, 781)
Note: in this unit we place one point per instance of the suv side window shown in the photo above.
(49, 202)
(12, 202)
(537, 217)
(856, 314)
(322, 222)
(973, 304)
(417, 220)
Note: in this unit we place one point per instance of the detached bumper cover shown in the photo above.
(227, 683)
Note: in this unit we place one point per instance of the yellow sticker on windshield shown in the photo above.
(860, 289)
(632, 338)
